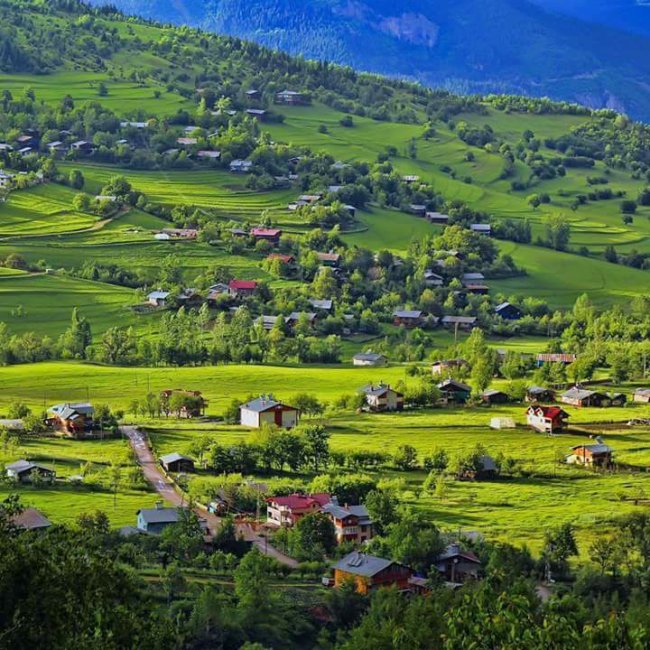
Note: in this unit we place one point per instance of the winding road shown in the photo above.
(166, 489)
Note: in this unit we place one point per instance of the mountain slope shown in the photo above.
(465, 45)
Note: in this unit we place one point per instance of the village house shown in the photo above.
(253, 94)
(241, 166)
(508, 311)
(460, 322)
(158, 298)
(417, 209)
(215, 291)
(486, 469)
(290, 97)
(432, 279)
(30, 519)
(294, 317)
(177, 463)
(325, 305)
(481, 228)
(186, 142)
(6, 179)
(289, 260)
(448, 366)
(205, 154)
(454, 392)
(617, 399)
(155, 520)
(71, 418)
(187, 403)
(351, 523)
(242, 288)
(477, 289)
(383, 398)
(134, 125)
(410, 178)
(56, 148)
(267, 322)
(547, 419)
(286, 511)
(369, 358)
(271, 235)
(257, 113)
(540, 394)
(493, 396)
(370, 573)
(437, 217)
(457, 566)
(642, 395)
(596, 455)
(407, 318)
(267, 410)
(181, 233)
(24, 471)
(189, 297)
(329, 259)
(554, 357)
(473, 277)
(82, 146)
(577, 396)
(5, 148)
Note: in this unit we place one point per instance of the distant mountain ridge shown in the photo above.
(507, 46)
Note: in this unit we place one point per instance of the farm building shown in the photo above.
(577, 396)
(266, 410)
(71, 418)
(253, 94)
(31, 519)
(448, 366)
(508, 311)
(554, 357)
(351, 523)
(432, 279)
(241, 166)
(437, 217)
(284, 259)
(460, 322)
(184, 403)
(291, 98)
(458, 566)
(82, 146)
(329, 259)
(257, 113)
(596, 455)
(158, 298)
(205, 154)
(294, 317)
(177, 463)
(476, 276)
(370, 573)
(287, 510)
(493, 396)
(186, 142)
(547, 419)
(155, 520)
(454, 392)
(369, 358)
(321, 305)
(481, 228)
(642, 395)
(24, 471)
(540, 394)
(502, 423)
(242, 288)
(267, 322)
(417, 209)
(383, 398)
(271, 235)
(407, 318)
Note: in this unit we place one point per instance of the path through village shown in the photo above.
(165, 488)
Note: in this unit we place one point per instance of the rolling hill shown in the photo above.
(466, 46)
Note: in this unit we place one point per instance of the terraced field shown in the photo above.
(42, 210)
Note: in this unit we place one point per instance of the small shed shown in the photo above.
(502, 423)
(177, 463)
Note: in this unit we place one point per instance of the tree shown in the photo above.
(102, 89)
(382, 508)
(316, 445)
(77, 337)
(81, 203)
(406, 458)
(313, 537)
(76, 179)
(558, 231)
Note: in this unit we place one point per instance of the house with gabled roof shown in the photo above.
(158, 298)
(595, 455)
(457, 565)
(30, 519)
(286, 511)
(540, 394)
(176, 462)
(238, 166)
(271, 235)
(321, 305)
(494, 396)
(351, 523)
(554, 357)
(508, 311)
(73, 419)
(369, 358)
(481, 228)
(407, 318)
(547, 419)
(461, 322)
(369, 573)
(383, 398)
(267, 410)
(242, 288)
(24, 471)
(578, 396)
(454, 392)
(290, 97)
(155, 520)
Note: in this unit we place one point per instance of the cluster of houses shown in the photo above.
(190, 297)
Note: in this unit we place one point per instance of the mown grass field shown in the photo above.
(517, 509)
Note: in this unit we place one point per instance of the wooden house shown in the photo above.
(457, 566)
(383, 398)
(24, 471)
(537, 394)
(417, 209)
(290, 98)
(30, 519)
(73, 419)
(437, 217)
(369, 573)
(177, 463)
(459, 322)
(271, 235)
(577, 396)
(508, 311)
(493, 396)
(597, 455)
(329, 259)
(267, 410)
(454, 392)
(547, 419)
(407, 318)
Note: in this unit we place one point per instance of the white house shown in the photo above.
(369, 358)
(267, 410)
(158, 298)
(383, 398)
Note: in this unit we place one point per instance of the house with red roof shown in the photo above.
(271, 235)
(547, 419)
(286, 511)
(242, 288)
